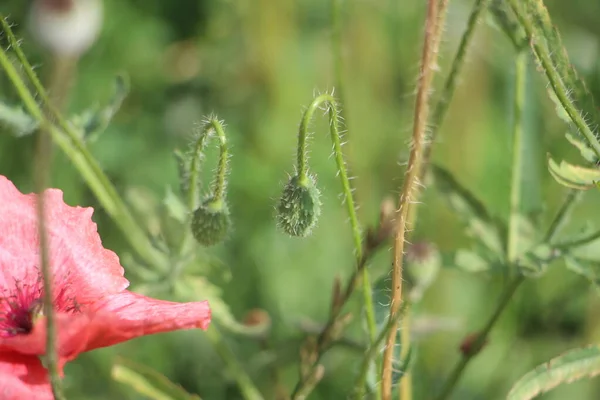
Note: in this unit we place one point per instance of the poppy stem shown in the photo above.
(410, 187)
(302, 167)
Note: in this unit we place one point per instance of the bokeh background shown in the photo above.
(256, 64)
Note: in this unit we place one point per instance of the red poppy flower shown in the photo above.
(92, 307)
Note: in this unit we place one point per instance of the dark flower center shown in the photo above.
(23, 305)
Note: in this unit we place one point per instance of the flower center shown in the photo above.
(23, 305)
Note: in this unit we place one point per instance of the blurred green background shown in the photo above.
(256, 64)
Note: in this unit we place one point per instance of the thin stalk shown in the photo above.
(563, 214)
(458, 62)
(334, 133)
(517, 158)
(406, 391)
(71, 143)
(42, 168)
(513, 232)
(481, 338)
(557, 82)
(336, 44)
(247, 388)
(410, 187)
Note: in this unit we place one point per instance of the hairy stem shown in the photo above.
(212, 126)
(458, 62)
(411, 181)
(334, 133)
(554, 63)
(70, 141)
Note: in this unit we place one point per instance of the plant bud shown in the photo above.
(211, 222)
(299, 206)
(66, 27)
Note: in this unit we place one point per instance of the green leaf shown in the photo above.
(573, 176)
(569, 367)
(470, 261)
(95, 121)
(16, 121)
(196, 288)
(589, 269)
(480, 224)
(147, 382)
(535, 261)
(585, 150)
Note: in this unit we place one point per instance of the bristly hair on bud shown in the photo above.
(210, 219)
(299, 206)
(211, 222)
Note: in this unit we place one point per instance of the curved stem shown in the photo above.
(71, 143)
(334, 133)
(563, 215)
(410, 187)
(212, 125)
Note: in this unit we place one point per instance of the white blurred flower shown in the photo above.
(66, 27)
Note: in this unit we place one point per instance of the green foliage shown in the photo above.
(573, 365)
(148, 382)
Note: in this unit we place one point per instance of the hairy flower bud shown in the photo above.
(211, 222)
(299, 206)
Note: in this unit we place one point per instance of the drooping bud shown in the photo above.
(299, 206)
(66, 27)
(211, 222)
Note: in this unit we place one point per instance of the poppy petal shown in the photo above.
(23, 377)
(78, 260)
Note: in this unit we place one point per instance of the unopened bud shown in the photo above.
(211, 222)
(299, 207)
(66, 27)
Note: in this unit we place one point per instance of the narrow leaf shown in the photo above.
(480, 224)
(573, 176)
(585, 150)
(148, 382)
(16, 121)
(589, 269)
(569, 367)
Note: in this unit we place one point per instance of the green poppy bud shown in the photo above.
(211, 222)
(299, 206)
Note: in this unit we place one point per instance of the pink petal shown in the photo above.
(23, 377)
(78, 260)
(115, 319)
(127, 315)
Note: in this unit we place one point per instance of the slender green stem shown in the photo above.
(579, 242)
(336, 44)
(458, 62)
(481, 338)
(41, 182)
(517, 158)
(334, 130)
(563, 214)
(212, 126)
(247, 388)
(544, 56)
(71, 143)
